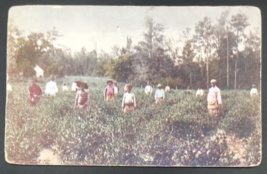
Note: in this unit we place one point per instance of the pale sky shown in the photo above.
(80, 25)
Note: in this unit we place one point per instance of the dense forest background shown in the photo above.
(211, 50)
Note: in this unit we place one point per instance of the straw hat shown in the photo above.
(109, 81)
(129, 85)
(78, 83)
(85, 84)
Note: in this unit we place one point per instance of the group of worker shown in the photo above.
(82, 97)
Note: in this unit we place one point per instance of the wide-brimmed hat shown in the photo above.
(109, 81)
(213, 80)
(78, 83)
(85, 84)
(129, 85)
(159, 86)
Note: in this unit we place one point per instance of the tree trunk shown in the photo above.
(227, 63)
(190, 78)
(208, 73)
(235, 73)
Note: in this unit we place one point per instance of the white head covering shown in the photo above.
(213, 80)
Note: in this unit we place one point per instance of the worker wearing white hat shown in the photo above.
(214, 97)
(159, 94)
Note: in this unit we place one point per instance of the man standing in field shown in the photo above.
(51, 87)
(199, 92)
(74, 86)
(214, 98)
(253, 91)
(35, 92)
(167, 88)
(82, 97)
(116, 88)
(159, 94)
(148, 89)
(65, 87)
(128, 100)
(109, 91)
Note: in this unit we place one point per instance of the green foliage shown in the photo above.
(173, 83)
(54, 68)
(119, 68)
(178, 131)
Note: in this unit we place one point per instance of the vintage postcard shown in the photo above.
(134, 86)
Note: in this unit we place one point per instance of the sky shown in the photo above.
(82, 26)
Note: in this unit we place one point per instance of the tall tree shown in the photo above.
(238, 23)
(205, 40)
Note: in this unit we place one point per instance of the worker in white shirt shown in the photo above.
(128, 100)
(199, 92)
(159, 94)
(253, 91)
(167, 88)
(148, 89)
(116, 88)
(65, 87)
(51, 87)
(214, 98)
(74, 86)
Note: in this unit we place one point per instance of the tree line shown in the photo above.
(211, 50)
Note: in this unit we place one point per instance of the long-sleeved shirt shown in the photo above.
(159, 94)
(253, 91)
(199, 92)
(148, 89)
(34, 93)
(51, 88)
(127, 98)
(214, 95)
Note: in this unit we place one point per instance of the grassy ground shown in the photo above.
(177, 132)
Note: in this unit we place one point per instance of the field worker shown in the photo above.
(74, 86)
(167, 88)
(51, 87)
(82, 97)
(128, 100)
(199, 92)
(159, 94)
(109, 91)
(253, 91)
(148, 89)
(188, 90)
(35, 92)
(125, 87)
(116, 88)
(8, 86)
(65, 87)
(214, 97)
